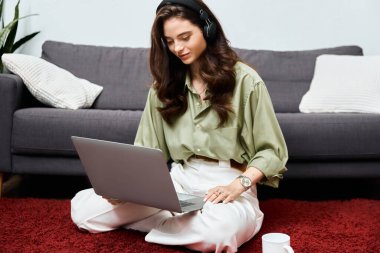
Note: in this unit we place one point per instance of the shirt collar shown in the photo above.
(188, 83)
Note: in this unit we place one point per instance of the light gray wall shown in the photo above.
(254, 24)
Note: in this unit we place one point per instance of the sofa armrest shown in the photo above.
(11, 89)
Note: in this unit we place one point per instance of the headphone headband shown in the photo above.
(209, 30)
(186, 3)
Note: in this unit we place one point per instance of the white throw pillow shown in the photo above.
(51, 84)
(343, 83)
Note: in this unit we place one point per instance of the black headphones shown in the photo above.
(209, 29)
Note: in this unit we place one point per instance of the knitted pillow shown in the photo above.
(343, 83)
(51, 84)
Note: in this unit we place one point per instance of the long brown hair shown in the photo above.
(169, 72)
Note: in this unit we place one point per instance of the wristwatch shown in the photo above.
(245, 181)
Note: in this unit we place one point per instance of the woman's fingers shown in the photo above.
(221, 197)
(218, 194)
(211, 195)
(229, 198)
(224, 194)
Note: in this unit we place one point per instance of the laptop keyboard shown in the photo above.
(185, 203)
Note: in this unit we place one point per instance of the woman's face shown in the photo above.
(184, 39)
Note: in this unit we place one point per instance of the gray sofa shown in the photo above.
(35, 139)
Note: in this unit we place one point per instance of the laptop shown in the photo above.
(133, 174)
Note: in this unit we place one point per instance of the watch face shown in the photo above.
(245, 181)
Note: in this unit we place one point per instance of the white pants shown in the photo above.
(217, 227)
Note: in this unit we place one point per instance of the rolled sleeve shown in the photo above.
(150, 132)
(263, 138)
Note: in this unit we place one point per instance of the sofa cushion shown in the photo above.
(122, 71)
(288, 74)
(330, 136)
(47, 131)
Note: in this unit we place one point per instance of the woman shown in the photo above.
(212, 116)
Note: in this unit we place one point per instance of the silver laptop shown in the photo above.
(132, 173)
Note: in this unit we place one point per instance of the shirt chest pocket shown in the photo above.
(224, 142)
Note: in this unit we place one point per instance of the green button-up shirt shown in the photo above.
(252, 135)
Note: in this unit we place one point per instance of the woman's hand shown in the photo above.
(226, 193)
(232, 191)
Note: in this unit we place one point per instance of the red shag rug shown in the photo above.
(41, 225)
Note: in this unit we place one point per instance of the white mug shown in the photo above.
(276, 243)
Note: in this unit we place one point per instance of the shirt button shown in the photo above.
(198, 104)
(198, 150)
(198, 126)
